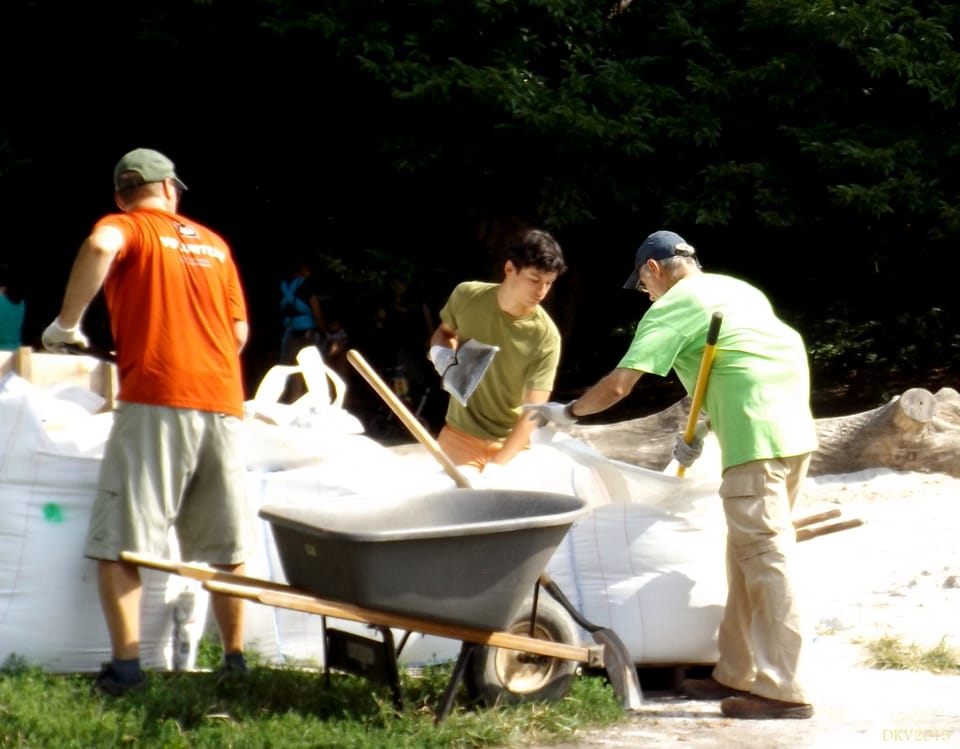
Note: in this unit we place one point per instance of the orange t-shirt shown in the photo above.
(173, 294)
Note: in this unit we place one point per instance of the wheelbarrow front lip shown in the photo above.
(443, 514)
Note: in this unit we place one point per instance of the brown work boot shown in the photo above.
(708, 689)
(755, 707)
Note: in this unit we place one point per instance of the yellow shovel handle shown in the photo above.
(713, 332)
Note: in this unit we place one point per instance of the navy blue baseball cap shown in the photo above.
(658, 246)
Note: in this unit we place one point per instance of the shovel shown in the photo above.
(713, 332)
(473, 360)
(97, 352)
(616, 659)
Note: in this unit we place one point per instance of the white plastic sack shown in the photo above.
(649, 560)
(287, 435)
(49, 605)
(657, 579)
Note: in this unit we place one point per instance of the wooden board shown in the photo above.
(43, 368)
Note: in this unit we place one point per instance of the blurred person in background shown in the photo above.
(12, 309)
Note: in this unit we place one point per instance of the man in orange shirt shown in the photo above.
(179, 321)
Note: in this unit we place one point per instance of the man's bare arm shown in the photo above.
(607, 391)
(241, 331)
(444, 335)
(519, 436)
(90, 268)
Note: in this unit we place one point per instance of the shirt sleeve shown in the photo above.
(655, 346)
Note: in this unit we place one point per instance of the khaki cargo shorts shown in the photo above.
(172, 468)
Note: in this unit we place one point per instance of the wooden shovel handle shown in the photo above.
(409, 420)
(97, 352)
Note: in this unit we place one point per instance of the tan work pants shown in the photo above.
(760, 635)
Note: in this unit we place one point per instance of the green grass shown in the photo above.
(279, 708)
(891, 652)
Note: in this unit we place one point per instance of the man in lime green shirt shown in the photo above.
(757, 400)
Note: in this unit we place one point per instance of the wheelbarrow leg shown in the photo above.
(366, 657)
(459, 669)
(391, 666)
(326, 660)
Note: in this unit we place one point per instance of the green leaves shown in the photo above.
(786, 115)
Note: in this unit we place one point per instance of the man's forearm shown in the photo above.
(241, 331)
(86, 277)
(608, 391)
(442, 337)
(517, 440)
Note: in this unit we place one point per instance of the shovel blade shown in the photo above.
(616, 658)
(473, 361)
(620, 670)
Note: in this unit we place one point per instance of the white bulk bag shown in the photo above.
(49, 604)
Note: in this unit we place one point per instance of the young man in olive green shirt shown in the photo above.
(491, 427)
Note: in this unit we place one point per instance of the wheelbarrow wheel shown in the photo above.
(508, 677)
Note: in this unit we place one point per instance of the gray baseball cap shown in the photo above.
(143, 165)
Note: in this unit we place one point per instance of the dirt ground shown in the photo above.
(897, 575)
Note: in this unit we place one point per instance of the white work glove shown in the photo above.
(443, 357)
(686, 454)
(56, 338)
(553, 412)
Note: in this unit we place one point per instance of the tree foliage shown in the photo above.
(808, 145)
(795, 124)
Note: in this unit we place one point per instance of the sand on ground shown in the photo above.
(898, 576)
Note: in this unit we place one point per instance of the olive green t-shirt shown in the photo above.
(528, 358)
(758, 394)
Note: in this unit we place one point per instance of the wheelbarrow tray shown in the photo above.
(460, 557)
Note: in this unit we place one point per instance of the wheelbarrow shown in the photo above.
(460, 564)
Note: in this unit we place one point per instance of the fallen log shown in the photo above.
(916, 431)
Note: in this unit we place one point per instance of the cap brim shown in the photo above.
(632, 281)
(128, 182)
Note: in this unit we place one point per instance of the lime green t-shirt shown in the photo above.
(527, 360)
(758, 394)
